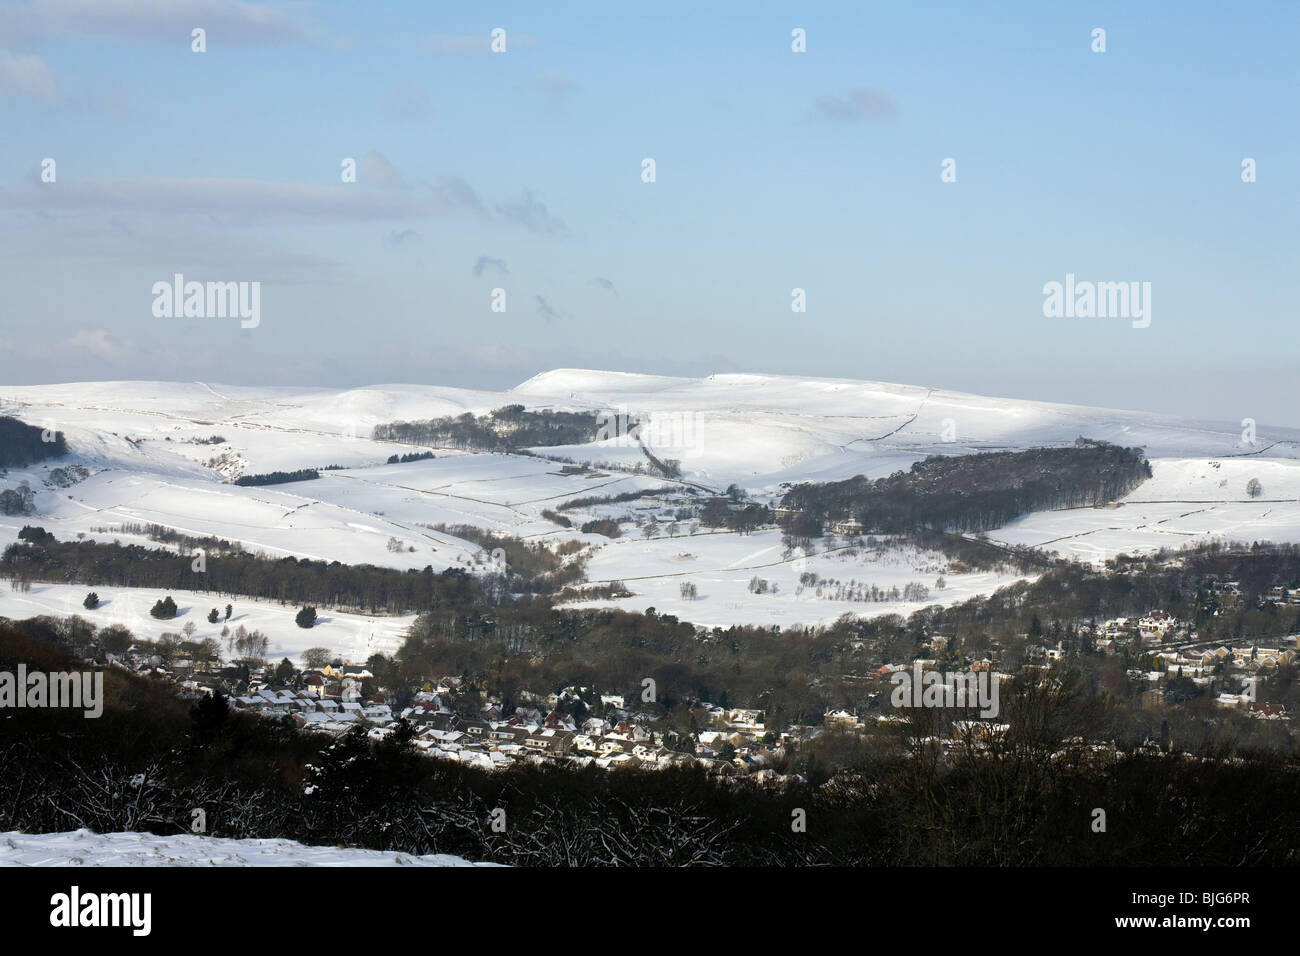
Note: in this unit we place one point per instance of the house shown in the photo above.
(1271, 711)
(1234, 701)
(1156, 624)
(556, 720)
(841, 718)
(850, 526)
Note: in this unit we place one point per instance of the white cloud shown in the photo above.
(226, 21)
(103, 344)
(27, 75)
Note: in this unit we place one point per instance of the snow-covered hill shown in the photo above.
(163, 453)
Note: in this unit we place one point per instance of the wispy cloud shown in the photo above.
(407, 104)
(374, 169)
(231, 202)
(403, 236)
(228, 22)
(27, 75)
(103, 344)
(382, 191)
(558, 88)
(531, 213)
(862, 103)
(468, 42)
(605, 284)
(485, 262)
(546, 310)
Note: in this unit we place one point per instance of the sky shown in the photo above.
(774, 170)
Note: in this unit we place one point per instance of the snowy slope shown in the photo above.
(151, 452)
(84, 848)
(353, 637)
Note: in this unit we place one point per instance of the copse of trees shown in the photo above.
(18, 501)
(719, 513)
(506, 429)
(413, 456)
(278, 477)
(533, 568)
(967, 493)
(22, 444)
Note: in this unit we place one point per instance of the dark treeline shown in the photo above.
(590, 501)
(151, 759)
(293, 580)
(22, 444)
(506, 429)
(413, 456)
(279, 477)
(966, 493)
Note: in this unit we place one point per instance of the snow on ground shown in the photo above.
(84, 848)
(354, 637)
(1187, 502)
(348, 515)
(721, 566)
(759, 430)
(163, 453)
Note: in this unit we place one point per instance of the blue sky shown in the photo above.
(775, 170)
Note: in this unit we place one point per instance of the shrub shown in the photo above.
(164, 609)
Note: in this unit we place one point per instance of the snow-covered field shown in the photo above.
(84, 848)
(352, 637)
(1186, 502)
(163, 453)
(721, 567)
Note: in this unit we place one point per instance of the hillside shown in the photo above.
(167, 453)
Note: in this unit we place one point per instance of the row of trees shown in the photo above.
(278, 477)
(295, 580)
(506, 429)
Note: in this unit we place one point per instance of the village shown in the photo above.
(452, 719)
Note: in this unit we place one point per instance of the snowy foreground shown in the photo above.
(84, 848)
